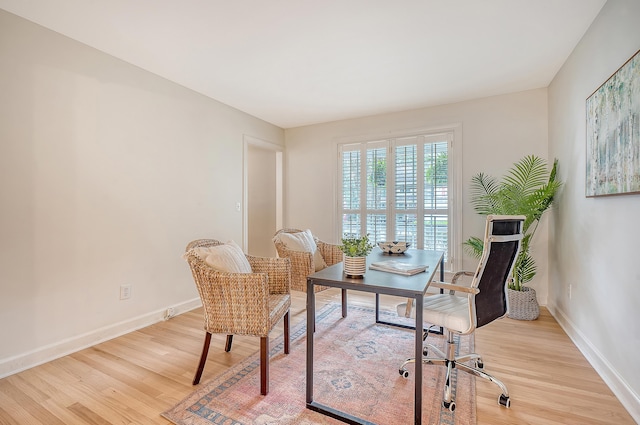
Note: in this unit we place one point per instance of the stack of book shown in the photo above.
(399, 267)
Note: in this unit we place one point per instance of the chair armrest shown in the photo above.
(330, 252)
(455, 288)
(226, 297)
(452, 287)
(277, 269)
(211, 282)
(456, 276)
(239, 304)
(301, 261)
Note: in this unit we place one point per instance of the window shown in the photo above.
(401, 189)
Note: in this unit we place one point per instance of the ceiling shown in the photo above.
(299, 62)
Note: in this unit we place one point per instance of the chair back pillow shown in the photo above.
(304, 242)
(226, 258)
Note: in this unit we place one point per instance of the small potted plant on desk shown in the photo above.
(355, 249)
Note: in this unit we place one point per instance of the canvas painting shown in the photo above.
(613, 133)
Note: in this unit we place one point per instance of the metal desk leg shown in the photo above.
(344, 303)
(441, 330)
(417, 410)
(311, 324)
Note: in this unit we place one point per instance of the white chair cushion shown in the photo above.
(449, 311)
(303, 242)
(226, 258)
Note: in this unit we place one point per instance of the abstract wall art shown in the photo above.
(613, 133)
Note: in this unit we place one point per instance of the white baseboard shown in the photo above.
(50, 352)
(629, 399)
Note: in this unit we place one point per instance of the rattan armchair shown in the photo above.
(242, 303)
(302, 263)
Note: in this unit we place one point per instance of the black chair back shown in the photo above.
(503, 237)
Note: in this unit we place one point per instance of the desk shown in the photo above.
(378, 282)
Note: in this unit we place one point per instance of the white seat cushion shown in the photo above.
(449, 311)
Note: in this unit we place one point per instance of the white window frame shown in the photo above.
(454, 259)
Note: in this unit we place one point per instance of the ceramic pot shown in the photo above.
(355, 266)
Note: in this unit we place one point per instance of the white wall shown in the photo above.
(594, 241)
(261, 201)
(496, 131)
(106, 173)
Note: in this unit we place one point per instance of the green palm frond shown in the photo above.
(528, 189)
(527, 175)
(474, 246)
(483, 189)
(524, 270)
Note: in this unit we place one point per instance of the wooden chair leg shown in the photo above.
(264, 365)
(227, 345)
(286, 333)
(203, 358)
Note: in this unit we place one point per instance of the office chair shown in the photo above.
(479, 304)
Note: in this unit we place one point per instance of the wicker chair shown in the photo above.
(302, 263)
(242, 303)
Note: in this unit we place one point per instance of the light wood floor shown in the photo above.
(131, 379)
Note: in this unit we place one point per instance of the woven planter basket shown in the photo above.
(523, 305)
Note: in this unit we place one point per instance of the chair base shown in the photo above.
(264, 354)
(450, 361)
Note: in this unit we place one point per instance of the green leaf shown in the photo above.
(474, 246)
(483, 189)
(524, 270)
(528, 189)
(356, 246)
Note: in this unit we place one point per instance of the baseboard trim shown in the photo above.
(629, 399)
(68, 346)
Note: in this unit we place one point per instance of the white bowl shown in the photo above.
(394, 247)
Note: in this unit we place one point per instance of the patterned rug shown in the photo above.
(356, 371)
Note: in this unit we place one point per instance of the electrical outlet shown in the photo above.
(125, 292)
(569, 291)
(169, 313)
(238, 206)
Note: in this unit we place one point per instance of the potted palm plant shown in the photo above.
(527, 189)
(355, 249)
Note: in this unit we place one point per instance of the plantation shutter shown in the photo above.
(398, 189)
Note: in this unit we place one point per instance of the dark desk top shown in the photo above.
(384, 282)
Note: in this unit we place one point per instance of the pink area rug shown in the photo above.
(356, 371)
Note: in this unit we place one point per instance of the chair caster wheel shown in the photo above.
(425, 351)
(504, 400)
(479, 364)
(404, 373)
(451, 405)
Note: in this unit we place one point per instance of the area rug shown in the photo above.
(356, 371)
